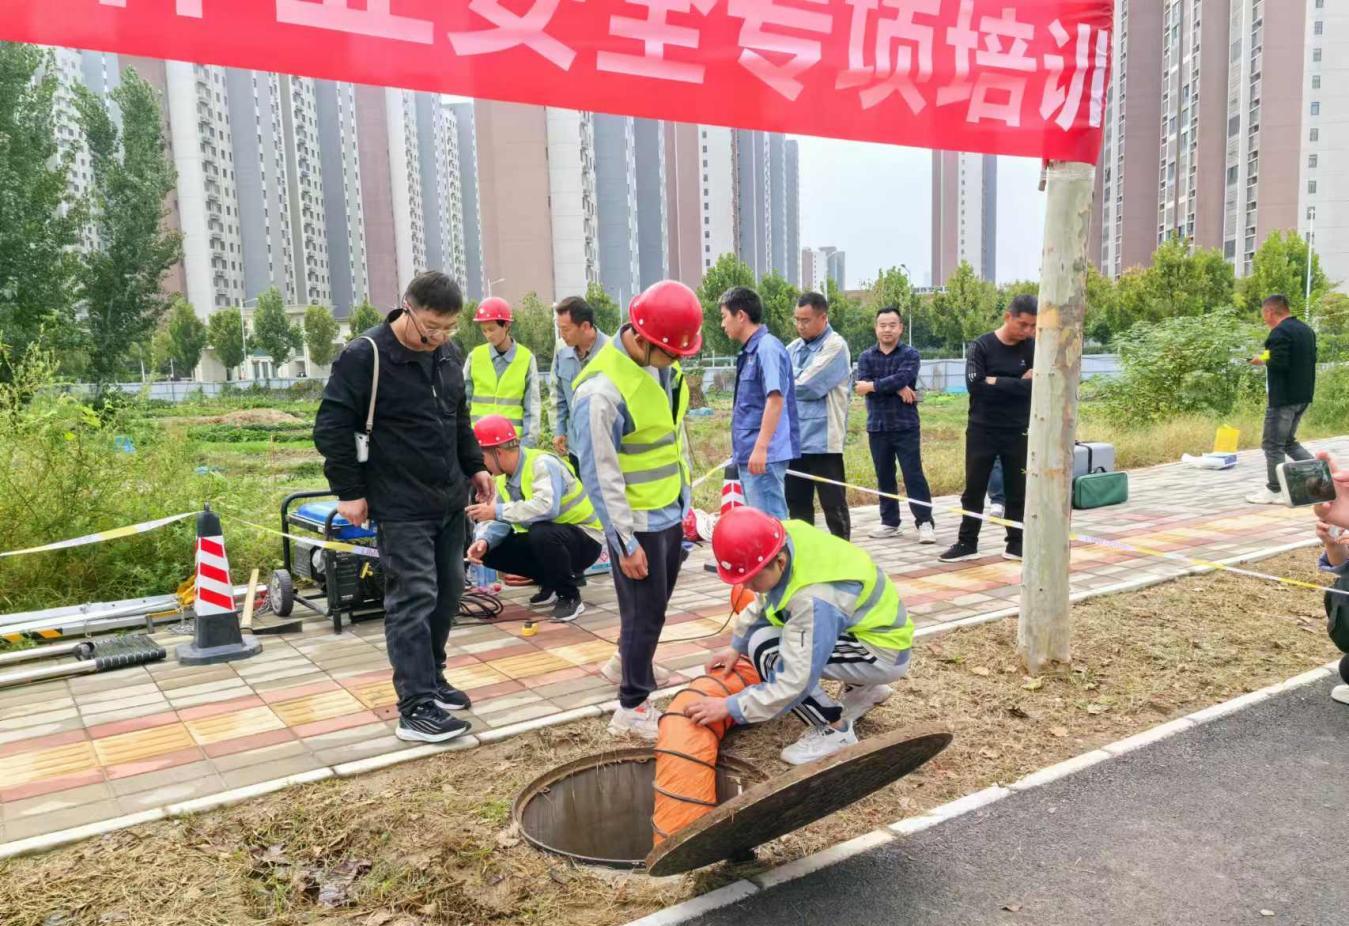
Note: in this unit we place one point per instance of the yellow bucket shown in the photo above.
(1225, 441)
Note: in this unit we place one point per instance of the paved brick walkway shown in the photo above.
(78, 751)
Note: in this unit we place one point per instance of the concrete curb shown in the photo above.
(49, 841)
(799, 868)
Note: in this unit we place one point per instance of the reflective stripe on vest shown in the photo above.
(879, 617)
(504, 395)
(652, 457)
(576, 507)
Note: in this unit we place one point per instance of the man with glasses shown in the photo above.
(412, 475)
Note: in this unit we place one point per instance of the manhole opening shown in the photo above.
(597, 810)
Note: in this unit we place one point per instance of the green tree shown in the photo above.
(728, 271)
(320, 335)
(607, 311)
(891, 288)
(1101, 310)
(224, 332)
(1280, 266)
(533, 327)
(850, 319)
(180, 340)
(779, 304)
(39, 224)
(132, 174)
(967, 309)
(364, 317)
(273, 331)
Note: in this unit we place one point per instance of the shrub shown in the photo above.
(1184, 365)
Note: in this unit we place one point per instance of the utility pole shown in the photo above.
(1044, 630)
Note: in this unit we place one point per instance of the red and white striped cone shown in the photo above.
(217, 637)
(732, 490)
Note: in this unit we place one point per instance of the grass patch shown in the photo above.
(430, 839)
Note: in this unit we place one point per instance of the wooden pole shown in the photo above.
(1044, 633)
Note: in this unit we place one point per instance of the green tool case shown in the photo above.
(1097, 488)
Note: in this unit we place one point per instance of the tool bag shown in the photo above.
(1097, 488)
(1337, 615)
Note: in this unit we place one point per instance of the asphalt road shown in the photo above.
(1216, 825)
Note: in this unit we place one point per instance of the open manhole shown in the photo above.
(597, 810)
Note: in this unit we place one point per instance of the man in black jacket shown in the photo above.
(1290, 367)
(999, 371)
(422, 458)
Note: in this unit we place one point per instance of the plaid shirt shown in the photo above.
(891, 372)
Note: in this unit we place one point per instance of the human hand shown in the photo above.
(707, 711)
(758, 461)
(723, 661)
(991, 380)
(484, 486)
(634, 566)
(560, 445)
(908, 396)
(356, 511)
(476, 551)
(1029, 374)
(483, 511)
(864, 388)
(1336, 512)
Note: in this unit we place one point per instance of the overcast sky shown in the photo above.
(875, 203)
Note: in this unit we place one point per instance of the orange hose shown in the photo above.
(686, 752)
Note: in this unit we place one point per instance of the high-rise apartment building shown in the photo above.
(652, 215)
(1323, 207)
(754, 232)
(344, 217)
(616, 205)
(964, 214)
(793, 212)
(470, 217)
(819, 265)
(442, 189)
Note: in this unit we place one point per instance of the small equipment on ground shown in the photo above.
(345, 582)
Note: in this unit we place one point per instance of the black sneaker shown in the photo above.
(579, 579)
(449, 698)
(427, 723)
(959, 552)
(544, 596)
(568, 609)
(1013, 551)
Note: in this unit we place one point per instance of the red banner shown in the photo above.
(1022, 77)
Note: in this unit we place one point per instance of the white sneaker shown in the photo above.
(818, 743)
(883, 532)
(996, 511)
(857, 701)
(1340, 693)
(927, 533)
(612, 672)
(642, 721)
(1265, 497)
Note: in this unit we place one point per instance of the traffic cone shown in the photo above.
(217, 637)
(732, 490)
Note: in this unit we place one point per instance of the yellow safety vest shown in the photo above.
(818, 557)
(576, 507)
(499, 396)
(652, 457)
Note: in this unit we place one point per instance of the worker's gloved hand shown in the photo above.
(356, 511)
(707, 711)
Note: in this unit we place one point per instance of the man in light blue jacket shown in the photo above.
(821, 364)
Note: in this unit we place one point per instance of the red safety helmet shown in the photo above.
(669, 315)
(744, 541)
(493, 309)
(494, 430)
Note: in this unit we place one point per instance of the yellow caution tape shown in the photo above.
(114, 534)
(1089, 539)
(337, 545)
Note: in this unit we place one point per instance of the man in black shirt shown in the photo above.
(999, 372)
(1290, 365)
(422, 458)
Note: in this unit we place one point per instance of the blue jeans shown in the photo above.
(768, 492)
(996, 493)
(904, 446)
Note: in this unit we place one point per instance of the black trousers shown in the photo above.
(833, 499)
(641, 609)
(549, 553)
(423, 564)
(982, 447)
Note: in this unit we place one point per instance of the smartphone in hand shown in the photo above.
(1306, 482)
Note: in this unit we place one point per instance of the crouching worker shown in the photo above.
(824, 610)
(541, 524)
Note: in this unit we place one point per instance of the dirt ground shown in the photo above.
(430, 842)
